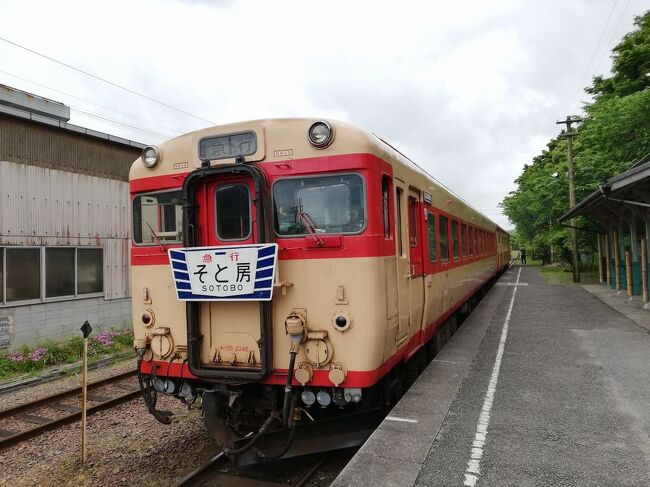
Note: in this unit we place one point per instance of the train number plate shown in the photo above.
(240, 273)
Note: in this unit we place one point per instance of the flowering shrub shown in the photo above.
(28, 359)
(16, 357)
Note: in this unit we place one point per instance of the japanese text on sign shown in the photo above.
(222, 273)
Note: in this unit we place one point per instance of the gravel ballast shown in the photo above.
(126, 446)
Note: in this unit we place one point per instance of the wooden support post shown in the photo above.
(644, 271)
(84, 401)
(86, 329)
(628, 274)
(600, 259)
(608, 260)
(617, 261)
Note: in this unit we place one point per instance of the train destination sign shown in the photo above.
(238, 273)
(226, 146)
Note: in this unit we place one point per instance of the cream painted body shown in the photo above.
(387, 305)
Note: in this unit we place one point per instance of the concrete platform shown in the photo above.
(542, 385)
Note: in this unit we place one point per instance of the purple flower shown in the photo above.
(16, 357)
(37, 354)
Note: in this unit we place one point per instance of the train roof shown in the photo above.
(286, 138)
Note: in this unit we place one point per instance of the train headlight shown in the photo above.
(308, 397)
(321, 134)
(150, 156)
(323, 398)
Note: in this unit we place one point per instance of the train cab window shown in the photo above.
(444, 241)
(463, 239)
(413, 223)
(385, 202)
(233, 205)
(158, 218)
(454, 238)
(431, 237)
(322, 204)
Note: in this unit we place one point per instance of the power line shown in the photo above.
(611, 38)
(593, 56)
(107, 81)
(115, 122)
(91, 103)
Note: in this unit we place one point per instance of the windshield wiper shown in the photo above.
(155, 235)
(310, 225)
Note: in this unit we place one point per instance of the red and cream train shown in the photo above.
(300, 249)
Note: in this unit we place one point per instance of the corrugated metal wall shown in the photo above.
(26, 142)
(42, 206)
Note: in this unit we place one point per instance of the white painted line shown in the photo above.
(401, 420)
(512, 284)
(473, 469)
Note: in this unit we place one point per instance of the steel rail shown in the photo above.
(30, 406)
(17, 437)
(206, 474)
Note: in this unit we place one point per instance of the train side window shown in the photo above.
(476, 249)
(431, 237)
(470, 233)
(385, 201)
(413, 224)
(444, 242)
(463, 239)
(398, 201)
(233, 212)
(454, 238)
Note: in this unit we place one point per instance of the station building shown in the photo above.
(621, 208)
(65, 223)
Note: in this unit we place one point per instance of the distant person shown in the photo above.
(522, 255)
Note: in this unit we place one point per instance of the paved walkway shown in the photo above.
(542, 386)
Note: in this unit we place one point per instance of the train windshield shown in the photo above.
(327, 204)
(158, 218)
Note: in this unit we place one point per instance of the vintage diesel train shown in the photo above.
(294, 274)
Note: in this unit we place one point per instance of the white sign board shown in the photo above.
(241, 273)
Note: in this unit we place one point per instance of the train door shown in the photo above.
(416, 268)
(403, 270)
(230, 331)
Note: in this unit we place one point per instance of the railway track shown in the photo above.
(37, 418)
(210, 474)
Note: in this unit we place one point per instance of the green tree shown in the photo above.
(614, 135)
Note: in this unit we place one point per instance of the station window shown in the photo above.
(444, 240)
(463, 238)
(385, 202)
(158, 218)
(233, 212)
(431, 237)
(454, 238)
(90, 271)
(413, 222)
(68, 272)
(59, 272)
(23, 273)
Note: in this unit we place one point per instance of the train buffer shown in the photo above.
(542, 385)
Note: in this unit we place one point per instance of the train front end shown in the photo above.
(258, 283)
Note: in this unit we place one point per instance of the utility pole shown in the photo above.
(568, 135)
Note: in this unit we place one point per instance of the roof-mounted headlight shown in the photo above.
(150, 156)
(321, 134)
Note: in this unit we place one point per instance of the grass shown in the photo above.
(559, 275)
(32, 360)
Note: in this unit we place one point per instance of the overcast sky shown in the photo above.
(470, 90)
